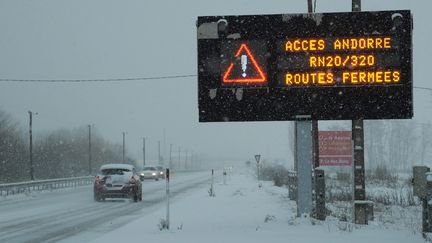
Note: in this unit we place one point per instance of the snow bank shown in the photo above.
(242, 212)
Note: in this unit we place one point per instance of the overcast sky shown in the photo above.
(97, 39)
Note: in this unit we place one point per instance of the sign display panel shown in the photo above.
(339, 62)
(329, 66)
(335, 148)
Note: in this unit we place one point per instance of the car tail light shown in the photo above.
(100, 180)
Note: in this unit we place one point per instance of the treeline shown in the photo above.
(57, 154)
(397, 144)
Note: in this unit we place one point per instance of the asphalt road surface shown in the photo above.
(71, 213)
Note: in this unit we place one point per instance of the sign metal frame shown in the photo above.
(385, 38)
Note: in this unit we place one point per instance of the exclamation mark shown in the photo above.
(244, 64)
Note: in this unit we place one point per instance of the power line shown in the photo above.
(120, 79)
(425, 88)
(96, 80)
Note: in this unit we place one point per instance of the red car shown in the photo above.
(117, 181)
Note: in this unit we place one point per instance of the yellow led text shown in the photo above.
(367, 77)
(342, 61)
(305, 45)
(362, 43)
(307, 79)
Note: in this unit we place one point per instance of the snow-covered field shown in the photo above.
(242, 212)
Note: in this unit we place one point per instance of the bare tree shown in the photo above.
(60, 153)
(374, 141)
(13, 154)
(426, 140)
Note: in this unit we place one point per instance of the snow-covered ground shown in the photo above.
(242, 212)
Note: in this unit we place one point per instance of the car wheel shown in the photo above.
(135, 197)
(156, 179)
(98, 197)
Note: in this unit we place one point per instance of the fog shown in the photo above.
(102, 39)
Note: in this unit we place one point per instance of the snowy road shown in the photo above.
(59, 215)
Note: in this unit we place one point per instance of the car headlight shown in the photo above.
(161, 173)
(153, 173)
(142, 174)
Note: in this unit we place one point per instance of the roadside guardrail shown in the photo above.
(44, 185)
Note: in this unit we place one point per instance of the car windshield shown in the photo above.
(149, 168)
(114, 171)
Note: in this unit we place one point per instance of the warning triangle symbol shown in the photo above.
(244, 69)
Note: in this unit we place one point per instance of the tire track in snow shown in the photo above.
(60, 224)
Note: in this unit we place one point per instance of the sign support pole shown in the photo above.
(309, 6)
(212, 193)
(315, 145)
(360, 214)
(167, 175)
(258, 168)
(304, 165)
(319, 184)
(257, 158)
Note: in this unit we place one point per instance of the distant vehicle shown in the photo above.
(117, 181)
(161, 170)
(149, 172)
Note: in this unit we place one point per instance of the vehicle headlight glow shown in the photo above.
(153, 173)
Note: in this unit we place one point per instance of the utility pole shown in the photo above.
(123, 147)
(144, 152)
(186, 157)
(159, 152)
(170, 157)
(179, 157)
(164, 147)
(90, 155)
(31, 145)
